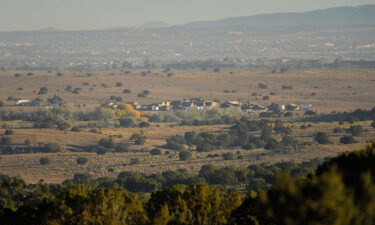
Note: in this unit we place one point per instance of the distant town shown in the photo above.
(202, 104)
(186, 48)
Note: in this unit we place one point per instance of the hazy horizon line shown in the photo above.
(139, 26)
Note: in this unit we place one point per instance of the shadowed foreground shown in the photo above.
(342, 191)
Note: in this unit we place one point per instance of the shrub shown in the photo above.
(1, 104)
(27, 142)
(140, 140)
(271, 144)
(62, 125)
(100, 150)
(76, 129)
(265, 114)
(185, 155)
(122, 147)
(9, 132)
(310, 113)
(355, 130)
(52, 147)
(119, 84)
(127, 122)
(156, 151)
(228, 156)
(44, 161)
(288, 114)
(43, 90)
(322, 138)
(82, 160)
(262, 86)
(135, 161)
(286, 87)
(289, 140)
(5, 140)
(266, 97)
(143, 124)
(107, 142)
(338, 130)
(146, 92)
(205, 147)
(347, 140)
(248, 146)
(372, 124)
(126, 91)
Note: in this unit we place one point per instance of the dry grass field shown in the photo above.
(326, 90)
(63, 165)
(335, 90)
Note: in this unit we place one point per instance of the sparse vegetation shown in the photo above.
(82, 160)
(184, 155)
(44, 161)
(322, 138)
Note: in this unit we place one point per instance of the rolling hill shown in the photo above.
(340, 16)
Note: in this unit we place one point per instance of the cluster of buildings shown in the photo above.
(289, 107)
(201, 104)
(53, 101)
(185, 104)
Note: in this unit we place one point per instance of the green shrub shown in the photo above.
(27, 142)
(122, 147)
(5, 140)
(44, 161)
(156, 151)
(135, 161)
(82, 160)
(140, 140)
(126, 91)
(52, 147)
(347, 140)
(76, 129)
(9, 132)
(322, 138)
(185, 155)
(355, 130)
(228, 156)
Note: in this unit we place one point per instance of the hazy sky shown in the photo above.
(96, 14)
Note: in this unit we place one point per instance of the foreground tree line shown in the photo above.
(254, 177)
(342, 191)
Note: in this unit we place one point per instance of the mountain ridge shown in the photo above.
(359, 15)
(338, 16)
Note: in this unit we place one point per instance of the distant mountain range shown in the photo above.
(340, 16)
